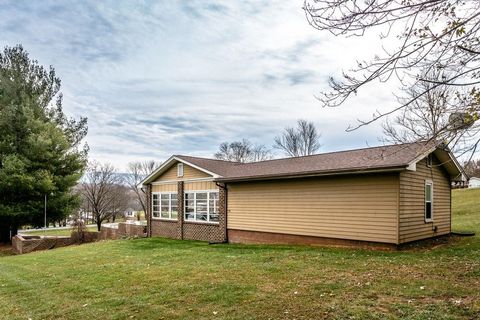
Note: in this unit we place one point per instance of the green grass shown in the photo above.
(166, 279)
(62, 232)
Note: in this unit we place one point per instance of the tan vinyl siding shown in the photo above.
(362, 207)
(200, 185)
(412, 202)
(171, 187)
(188, 173)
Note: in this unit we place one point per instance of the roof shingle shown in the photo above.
(374, 158)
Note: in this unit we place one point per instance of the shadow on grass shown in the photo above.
(6, 250)
(156, 243)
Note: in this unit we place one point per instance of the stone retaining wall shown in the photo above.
(24, 244)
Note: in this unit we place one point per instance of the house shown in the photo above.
(382, 196)
(474, 182)
(130, 213)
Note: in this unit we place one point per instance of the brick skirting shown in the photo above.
(244, 236)
(165, 228)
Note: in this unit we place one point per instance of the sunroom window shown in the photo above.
(165, 205)
(156, 205)
(201, 206)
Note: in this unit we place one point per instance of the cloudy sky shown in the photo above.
(157, 78)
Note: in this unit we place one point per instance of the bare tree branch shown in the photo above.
(242, 151)
(136, 172)
(103, 192)
(429, 36)
(300, 141)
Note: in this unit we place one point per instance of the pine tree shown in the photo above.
(41, 150)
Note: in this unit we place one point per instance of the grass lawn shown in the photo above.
(166, 279)
(62, 232)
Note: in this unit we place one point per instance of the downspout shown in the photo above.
(149, 221)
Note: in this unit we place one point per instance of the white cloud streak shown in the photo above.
(157, 79)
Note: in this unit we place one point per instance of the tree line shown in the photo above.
(302, 140)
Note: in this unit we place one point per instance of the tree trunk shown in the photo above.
(99, 225)
(14, 231)
(4, 234)
(7, 233)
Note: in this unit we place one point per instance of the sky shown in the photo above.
(157, 78)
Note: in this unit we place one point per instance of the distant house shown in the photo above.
(474, 182)
(384, 196)
(130, 213)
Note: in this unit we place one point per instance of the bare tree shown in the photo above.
(242, 151)
(120, 199)
(303, 140)
(432, 116)
(136, 172)
(472, 168)
(427, 36)
(100, 191)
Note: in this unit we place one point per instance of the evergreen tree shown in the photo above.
(41, 151)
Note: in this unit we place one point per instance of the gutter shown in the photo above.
(312, 174)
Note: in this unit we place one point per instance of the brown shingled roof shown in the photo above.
(395, 157)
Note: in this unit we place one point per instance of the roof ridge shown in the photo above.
(210, 159)
(332, 152)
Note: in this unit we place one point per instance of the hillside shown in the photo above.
(168, 279)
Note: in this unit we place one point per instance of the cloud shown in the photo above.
(158, 78)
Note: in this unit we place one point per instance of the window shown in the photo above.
(165, 205)
(428, 200)
(180, 170)
(201, 206)
(156, 205)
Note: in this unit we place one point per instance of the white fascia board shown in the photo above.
(167, 163)
(420, 157)
(412, 166)
(144, 181)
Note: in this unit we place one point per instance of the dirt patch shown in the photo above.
(5, 250)
(430, 244)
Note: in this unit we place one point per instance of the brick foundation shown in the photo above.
(244, 236)
(166, 229)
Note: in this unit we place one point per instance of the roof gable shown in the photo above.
(167, 165)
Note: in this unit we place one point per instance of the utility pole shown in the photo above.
(45, 230)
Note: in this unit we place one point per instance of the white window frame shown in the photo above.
(153, 206)
(430, 183)
(208, 192)
(160, 206)
(180, 170)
